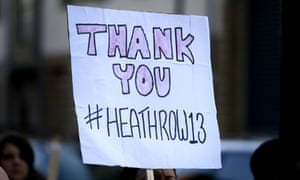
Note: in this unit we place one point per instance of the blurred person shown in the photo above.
(141, 174)
(17, 157)
(3, 175)
(274, 160)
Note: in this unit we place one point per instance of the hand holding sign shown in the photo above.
(143, 90)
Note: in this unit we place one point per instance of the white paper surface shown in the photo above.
(143, 89)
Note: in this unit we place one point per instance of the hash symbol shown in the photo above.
(93, 116)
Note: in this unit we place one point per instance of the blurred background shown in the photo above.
(246, 53)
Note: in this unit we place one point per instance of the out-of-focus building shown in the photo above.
(35, 74)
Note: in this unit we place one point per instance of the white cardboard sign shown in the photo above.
(143, 89)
